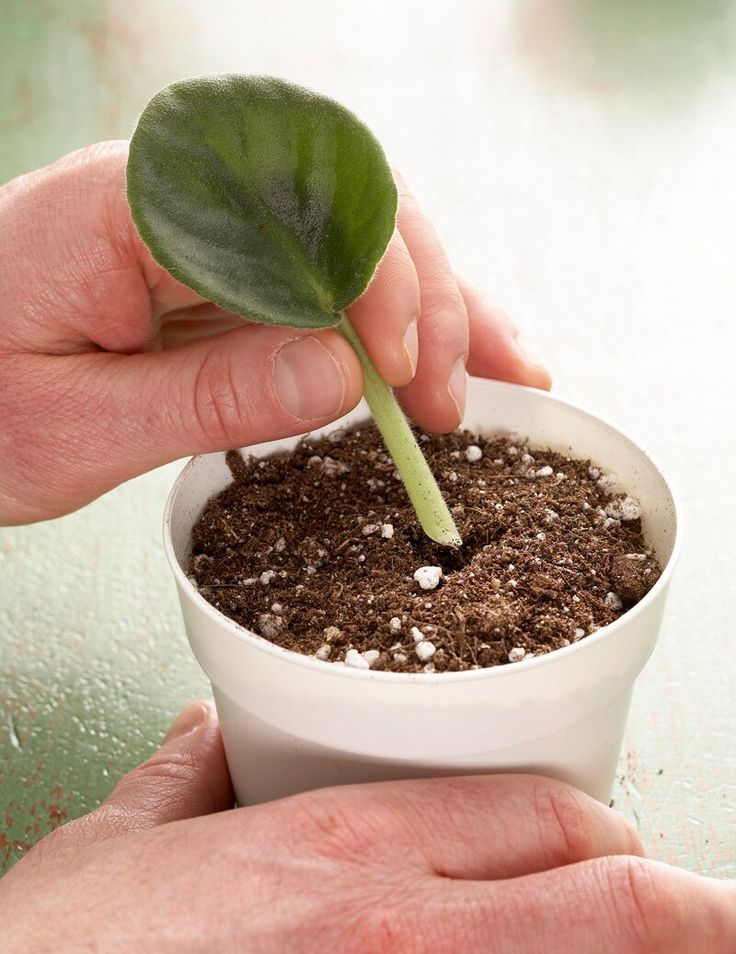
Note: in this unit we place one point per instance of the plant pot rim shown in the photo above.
(556, 657)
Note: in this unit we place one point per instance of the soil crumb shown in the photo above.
(319, 551)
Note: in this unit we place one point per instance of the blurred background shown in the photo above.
(577, 158)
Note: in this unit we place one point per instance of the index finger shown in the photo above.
(615, 905)
(504, 826)
(386, 315)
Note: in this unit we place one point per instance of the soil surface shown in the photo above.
(320, 552)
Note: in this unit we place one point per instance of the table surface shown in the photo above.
(577, 157)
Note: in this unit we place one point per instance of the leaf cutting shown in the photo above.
(277, 204)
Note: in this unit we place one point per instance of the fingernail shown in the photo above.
(308, 380)
(457, 385)
(411, 344)
(189, 719)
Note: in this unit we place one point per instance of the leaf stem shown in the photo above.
(427, 500)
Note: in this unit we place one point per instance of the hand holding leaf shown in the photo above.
(276, 204)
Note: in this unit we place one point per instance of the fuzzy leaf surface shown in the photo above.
(264, 197)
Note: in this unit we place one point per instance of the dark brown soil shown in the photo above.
(317, 551)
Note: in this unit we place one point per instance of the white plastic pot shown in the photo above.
(292, 723)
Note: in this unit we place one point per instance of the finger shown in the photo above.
(495, 826)
(509, 825)
(496, 349)
(386, 315)
(87, 422)
(435, 398)
(185, 778)
(615, 905)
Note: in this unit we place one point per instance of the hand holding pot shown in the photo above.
(109, 367)
(512, 863)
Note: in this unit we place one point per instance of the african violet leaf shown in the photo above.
(268, 199)
(277, 204)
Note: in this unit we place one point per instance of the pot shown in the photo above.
(292, 723)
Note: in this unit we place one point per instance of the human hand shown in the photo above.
(109, 367)
(504, 863)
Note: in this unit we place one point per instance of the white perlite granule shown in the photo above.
(267, 576)
(269, 625)
(545, 471)
(517, 654)
(425, 650)
(473, 453)
(356, 660)
(324, 651)
(332, 467)
(371, 656)
(370, 528)
(614, 601)
(387, 531)
(606, 483)
(625, 509)
(394, 624)
(416, 634)
(428, 577)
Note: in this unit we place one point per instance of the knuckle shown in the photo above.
(559, 810)
(645, 906)
(444, 318)
(441, 296)
(91, 175)
(334, 828)
(179, 767)
(94, 171)
(217, 404)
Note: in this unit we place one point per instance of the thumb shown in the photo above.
(92, 421)
(243, 386)
(186, 777)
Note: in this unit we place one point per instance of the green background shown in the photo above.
(578, 158)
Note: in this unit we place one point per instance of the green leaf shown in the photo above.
(277, 204)
(270, 200)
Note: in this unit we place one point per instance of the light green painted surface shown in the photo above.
(577, 157)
